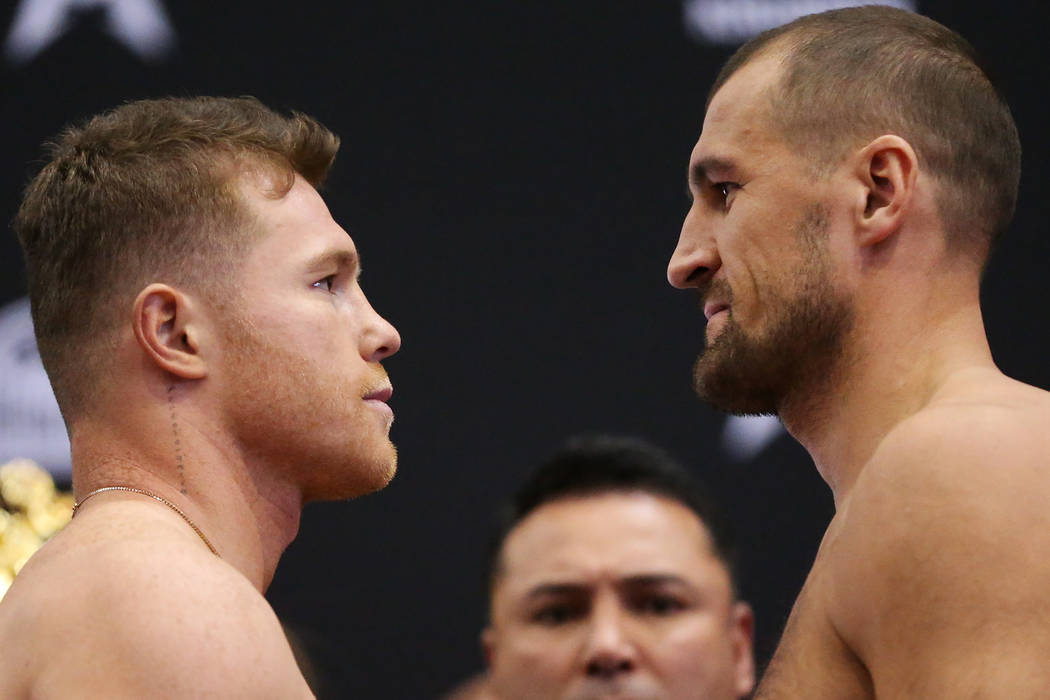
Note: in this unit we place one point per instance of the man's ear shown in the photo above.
(169, 332)
(742, 634)
(488, 645)
(887, 169)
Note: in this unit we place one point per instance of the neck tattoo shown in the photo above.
(144, 492)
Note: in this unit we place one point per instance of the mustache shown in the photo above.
(718, 289)
(379, 380)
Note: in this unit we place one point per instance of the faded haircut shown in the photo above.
(854, 74)
(593, 465)
(147, 192)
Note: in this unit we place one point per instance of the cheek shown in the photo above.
(757, 280)
(742, 274)
(535, 658)
(318, 334)
(692, 651)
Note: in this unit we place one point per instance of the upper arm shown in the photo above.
(811, 660)
(941, 575)
(171, 637)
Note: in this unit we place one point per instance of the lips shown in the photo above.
(377, 399)
(383, 394)
(712, 307)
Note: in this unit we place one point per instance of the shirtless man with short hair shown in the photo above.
(853, 169)
(217, 365)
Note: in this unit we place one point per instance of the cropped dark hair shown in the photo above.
(853, 74)
(599, 464)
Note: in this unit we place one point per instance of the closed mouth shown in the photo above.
(381, 394)
(711, 308)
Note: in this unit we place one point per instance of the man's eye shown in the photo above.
(725, 189)
(327, 284)
(554, 615)
(659, 605)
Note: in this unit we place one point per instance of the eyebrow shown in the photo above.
(341, 259)
(702, 169)
(654, 580)
(554, 589)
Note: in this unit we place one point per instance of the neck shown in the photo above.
(901, 352)
(247, 514)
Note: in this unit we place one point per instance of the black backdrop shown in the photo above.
(513, 173)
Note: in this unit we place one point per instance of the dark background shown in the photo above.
(513, 173)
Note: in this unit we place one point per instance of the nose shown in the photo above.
(381, 339)
(609, 651)
(695, 259)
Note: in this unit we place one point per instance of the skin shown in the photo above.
(307, 340)
(748, 371)
(238, 408)
(618, 595)
(929, 581)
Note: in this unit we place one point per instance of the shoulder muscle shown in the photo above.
(939, 570)
(187, 627)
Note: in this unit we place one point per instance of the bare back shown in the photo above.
(128, 602)
(932, 578)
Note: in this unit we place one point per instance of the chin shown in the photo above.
(383, 470)
(366, 471)
(737, 375)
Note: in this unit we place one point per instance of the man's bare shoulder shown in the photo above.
(937, 564)
(987, 432)
(981, 450)
(153, 615)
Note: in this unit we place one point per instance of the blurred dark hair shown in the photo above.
(597, 464)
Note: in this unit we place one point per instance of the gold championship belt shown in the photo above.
(31, 511)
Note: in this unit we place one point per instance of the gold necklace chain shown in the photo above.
(155, 497)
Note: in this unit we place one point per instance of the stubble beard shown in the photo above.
(797, 353)
(306, 422)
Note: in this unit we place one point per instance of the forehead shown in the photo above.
(295, 226)
(607, 536)
(738, 119)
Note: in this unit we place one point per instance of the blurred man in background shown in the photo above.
(610, 576)
(217, 365)
(853, 171)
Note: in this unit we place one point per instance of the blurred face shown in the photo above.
(616, 595)
(305, 391)
(756, 245)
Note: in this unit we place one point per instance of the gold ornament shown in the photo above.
(25, 486)
(31, 511)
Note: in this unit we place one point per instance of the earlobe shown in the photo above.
(887, 168)
(744, 642)
(488, 645)
(167, 331)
